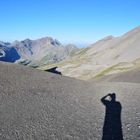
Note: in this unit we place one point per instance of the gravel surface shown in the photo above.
(36, 105)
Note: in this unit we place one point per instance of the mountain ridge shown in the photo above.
(103, 57)
(38, 52)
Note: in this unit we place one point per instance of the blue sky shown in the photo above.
(70, 21)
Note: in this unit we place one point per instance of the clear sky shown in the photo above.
(70, 21)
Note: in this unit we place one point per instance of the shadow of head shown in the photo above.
(113, 97)
(54, 70)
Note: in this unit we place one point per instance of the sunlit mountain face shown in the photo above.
(35, 52)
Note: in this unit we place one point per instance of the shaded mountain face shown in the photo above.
(107, 56)
(8, 53)
(39, 52)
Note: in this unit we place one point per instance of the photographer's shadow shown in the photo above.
(112, 129)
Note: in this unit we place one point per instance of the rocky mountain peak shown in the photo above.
(39, 51)
(48, 41)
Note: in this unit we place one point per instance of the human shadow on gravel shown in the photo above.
(112, 129)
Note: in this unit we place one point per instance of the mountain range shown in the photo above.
(35, 52)
(107, 56)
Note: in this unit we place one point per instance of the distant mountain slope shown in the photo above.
(107, 56)
(130, 76)
(41, 51)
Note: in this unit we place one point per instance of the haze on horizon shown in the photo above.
(70, 21)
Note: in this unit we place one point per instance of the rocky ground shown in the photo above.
(37, 105)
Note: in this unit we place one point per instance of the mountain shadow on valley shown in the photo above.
(112, 129)
(54, 70)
